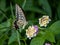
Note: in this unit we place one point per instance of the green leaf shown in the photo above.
(12, 11)
(24, 3)
(20, 2)
(55, 27)
(58, 11)
(22, 43)
(28, 4)
(50, 36)
(12, 37)
(38, 41)
(2, 4)
(14, 43)
(3, 38)
(58, 37)
(58, 42)
(3, 30)
(35, 9)
(2, 16)
(46, 6)
(18, 37)
(5, 24)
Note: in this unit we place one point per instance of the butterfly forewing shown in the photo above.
(20, 16)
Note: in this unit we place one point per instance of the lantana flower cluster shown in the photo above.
(43, 21)
(33, 30)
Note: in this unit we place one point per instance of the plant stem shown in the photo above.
(12, 11)
(24, 3)
(24, 41)
(41, 28)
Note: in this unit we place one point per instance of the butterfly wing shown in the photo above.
(21, 20)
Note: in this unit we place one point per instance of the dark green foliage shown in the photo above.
(33, 10)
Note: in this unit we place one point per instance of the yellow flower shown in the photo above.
(43, 21)
(31, 31)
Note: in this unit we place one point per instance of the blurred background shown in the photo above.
(33, 10)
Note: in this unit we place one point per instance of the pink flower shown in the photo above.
(47, 44)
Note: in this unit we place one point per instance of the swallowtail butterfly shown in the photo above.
(20, 18)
